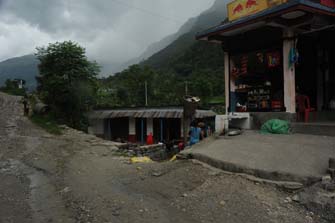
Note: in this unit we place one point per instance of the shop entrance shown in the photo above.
(141, 129)
(116, 129)
(315, 72)
(167, 129)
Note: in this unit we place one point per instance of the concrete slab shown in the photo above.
(297, 157)
(314, 128)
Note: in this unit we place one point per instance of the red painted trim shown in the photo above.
(132, 138)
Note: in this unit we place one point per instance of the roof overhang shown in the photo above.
(147, 113)
(300, 15)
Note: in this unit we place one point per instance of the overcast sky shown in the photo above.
(110, 30)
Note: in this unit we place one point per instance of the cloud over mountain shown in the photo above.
(112, 31)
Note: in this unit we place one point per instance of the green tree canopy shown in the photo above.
(199, 67)
(67, 80)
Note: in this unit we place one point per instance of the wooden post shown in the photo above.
(142, 130)
(181, 128)
(186, 124)
(162, 129)
(289, 72)
(226, 78)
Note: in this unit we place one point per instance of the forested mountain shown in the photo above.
(158, 46)
(184, 66)
(24, 67)
(180, 65)
(165, 58)
(158, 54)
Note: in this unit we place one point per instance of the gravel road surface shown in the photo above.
(78, 178)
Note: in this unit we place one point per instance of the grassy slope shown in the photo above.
(47, 123)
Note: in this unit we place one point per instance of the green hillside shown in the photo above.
(166, 58)
(184, 66)
(25, 67)
(197, 62)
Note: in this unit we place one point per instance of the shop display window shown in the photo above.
(256, 81)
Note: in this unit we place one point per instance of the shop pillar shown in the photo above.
(320, 78)
(226, 77)
(161, 129)
(289, 71)
(132, 130)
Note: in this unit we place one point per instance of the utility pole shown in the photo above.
(186, 87)
(146, 93)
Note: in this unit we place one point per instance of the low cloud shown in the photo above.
(112, 31)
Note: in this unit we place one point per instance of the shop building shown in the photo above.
(274, 52)
(134, 125)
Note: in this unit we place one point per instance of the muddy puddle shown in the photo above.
(45, 202)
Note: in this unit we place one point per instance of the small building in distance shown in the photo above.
(135, 124)
(20, 83)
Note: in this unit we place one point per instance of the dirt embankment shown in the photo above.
(77, 178)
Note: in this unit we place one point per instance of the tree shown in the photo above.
(14, 87)
(67, 81)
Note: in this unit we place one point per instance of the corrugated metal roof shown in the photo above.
(263, 14)
(147, 113)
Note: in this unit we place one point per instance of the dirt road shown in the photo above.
(76, 178)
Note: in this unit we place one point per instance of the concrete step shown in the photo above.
(288, 180)
(324, 116)
(314, 128)
(295, 157)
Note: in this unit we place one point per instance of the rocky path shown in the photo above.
(77, 178)
(27, 194)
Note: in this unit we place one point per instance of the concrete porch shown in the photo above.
(297, 157)
(314, 128)
(320, 123)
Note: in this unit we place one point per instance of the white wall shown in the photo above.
(150, 126)
(96, 127)
(132, 129)
(221, 122)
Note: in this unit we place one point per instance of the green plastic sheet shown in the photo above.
(276, 126)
